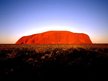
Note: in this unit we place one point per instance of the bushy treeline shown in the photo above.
(54, 64)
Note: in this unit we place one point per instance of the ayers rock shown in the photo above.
(55, 37)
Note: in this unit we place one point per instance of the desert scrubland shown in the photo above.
(53, 62)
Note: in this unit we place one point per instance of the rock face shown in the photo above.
(55, 37)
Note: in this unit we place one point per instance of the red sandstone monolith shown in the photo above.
(55, 37)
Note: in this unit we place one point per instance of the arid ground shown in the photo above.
(53, 62)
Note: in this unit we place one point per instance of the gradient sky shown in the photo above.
(25, 17)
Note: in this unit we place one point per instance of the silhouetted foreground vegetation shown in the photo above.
(53, 63)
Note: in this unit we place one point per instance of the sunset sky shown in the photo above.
(25, 17)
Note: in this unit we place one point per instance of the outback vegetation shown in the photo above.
(53, 62)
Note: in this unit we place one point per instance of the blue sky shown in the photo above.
(25, 17)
